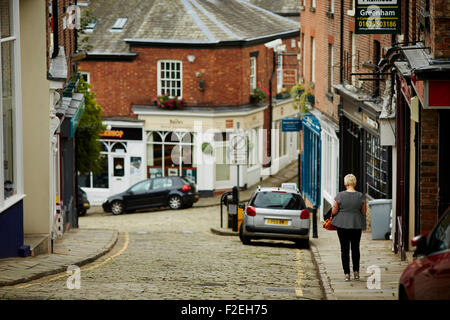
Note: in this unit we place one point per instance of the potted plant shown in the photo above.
(284, 94)
(166, 102)
(259, 95)
(307, 95)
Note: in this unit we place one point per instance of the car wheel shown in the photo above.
(302, 244)
(175, 202)
(245, 240)
(402, 295)
(117, 207)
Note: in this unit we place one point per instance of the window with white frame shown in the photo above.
(280, 73)
(10, 107)
(170, 78)
(331, 6)
(313, 3)
(252, 74)
(313, 60)
(330, 67)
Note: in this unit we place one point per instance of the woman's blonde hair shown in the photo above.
(350, 180)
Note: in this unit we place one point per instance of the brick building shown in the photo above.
(421, 65)
(211, 55)
(387, 93)
(345, 108)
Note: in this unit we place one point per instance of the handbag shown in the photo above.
(327, 223)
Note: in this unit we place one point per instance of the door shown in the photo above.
(138, 196)
(159, 191)
(119, 176)
(223, 168)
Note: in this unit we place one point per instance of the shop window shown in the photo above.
(377, 170)
(8, 107)
(101, 180)
(170, 153)
(170, 78)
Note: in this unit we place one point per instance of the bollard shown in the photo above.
(314, 210)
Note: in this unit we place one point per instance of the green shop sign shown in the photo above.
(377, 16)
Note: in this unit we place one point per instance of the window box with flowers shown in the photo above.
(259, 95)
(166, 102)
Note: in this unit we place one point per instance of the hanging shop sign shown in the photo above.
(377, 17)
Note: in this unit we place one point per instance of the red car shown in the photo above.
(428, 277)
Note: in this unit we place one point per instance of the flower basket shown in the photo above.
(259, 95)
(166, 102)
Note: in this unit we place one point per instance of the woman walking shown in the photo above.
(349, 210)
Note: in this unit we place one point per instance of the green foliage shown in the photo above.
(88, 146)
(259, 95)
(86, 18)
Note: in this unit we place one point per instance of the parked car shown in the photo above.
(175, 192)
(276, 213)
(289, 185)
(83, 202)
(428, 277)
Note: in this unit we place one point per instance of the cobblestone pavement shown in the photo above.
(173, 255)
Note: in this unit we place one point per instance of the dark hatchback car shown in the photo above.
(175, 192)
(83, 202)
(428, 277)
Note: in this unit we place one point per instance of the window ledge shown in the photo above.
(329, 96)
(330, 14)
(11, 201)
(312, 9)
(351, 13)
(302, 8)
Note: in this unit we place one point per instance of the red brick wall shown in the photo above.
(66, 36)
(429, 155)
(440, 28)
(225, 71)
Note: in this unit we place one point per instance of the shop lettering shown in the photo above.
(112, 134)
(176, 122)
(371, 12)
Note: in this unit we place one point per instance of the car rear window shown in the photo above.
(278, 200)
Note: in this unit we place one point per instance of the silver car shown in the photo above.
(276, 213)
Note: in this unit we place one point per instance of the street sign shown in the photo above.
(377, 17)
(238, 149)
(291, 125)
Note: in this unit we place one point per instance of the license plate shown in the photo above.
(86, 204)
(196, 196)
(277, 221)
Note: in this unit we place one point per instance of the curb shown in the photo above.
(322, 274)
(80, 263)
(222, 232)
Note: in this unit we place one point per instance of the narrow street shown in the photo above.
(173, 255)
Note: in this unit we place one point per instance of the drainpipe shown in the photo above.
(270, 111)
(55, 29)
(341, 53)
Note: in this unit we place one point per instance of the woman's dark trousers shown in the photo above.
(349, 238)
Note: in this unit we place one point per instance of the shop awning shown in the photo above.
(71, 109)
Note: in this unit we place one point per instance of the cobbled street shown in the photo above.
(173, 255)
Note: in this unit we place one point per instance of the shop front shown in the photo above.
(361, 152)
(194, 142)
(123, 159)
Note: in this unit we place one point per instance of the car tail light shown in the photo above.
(251, 211)
(304, 214)
(186, 187)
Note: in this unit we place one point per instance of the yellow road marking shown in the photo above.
(300, 274)
(95, 266)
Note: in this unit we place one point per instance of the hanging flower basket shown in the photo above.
(165, 102)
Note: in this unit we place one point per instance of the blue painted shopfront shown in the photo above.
(311, 164)
(11, 231)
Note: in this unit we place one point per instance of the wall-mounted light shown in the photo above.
(191, 58)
